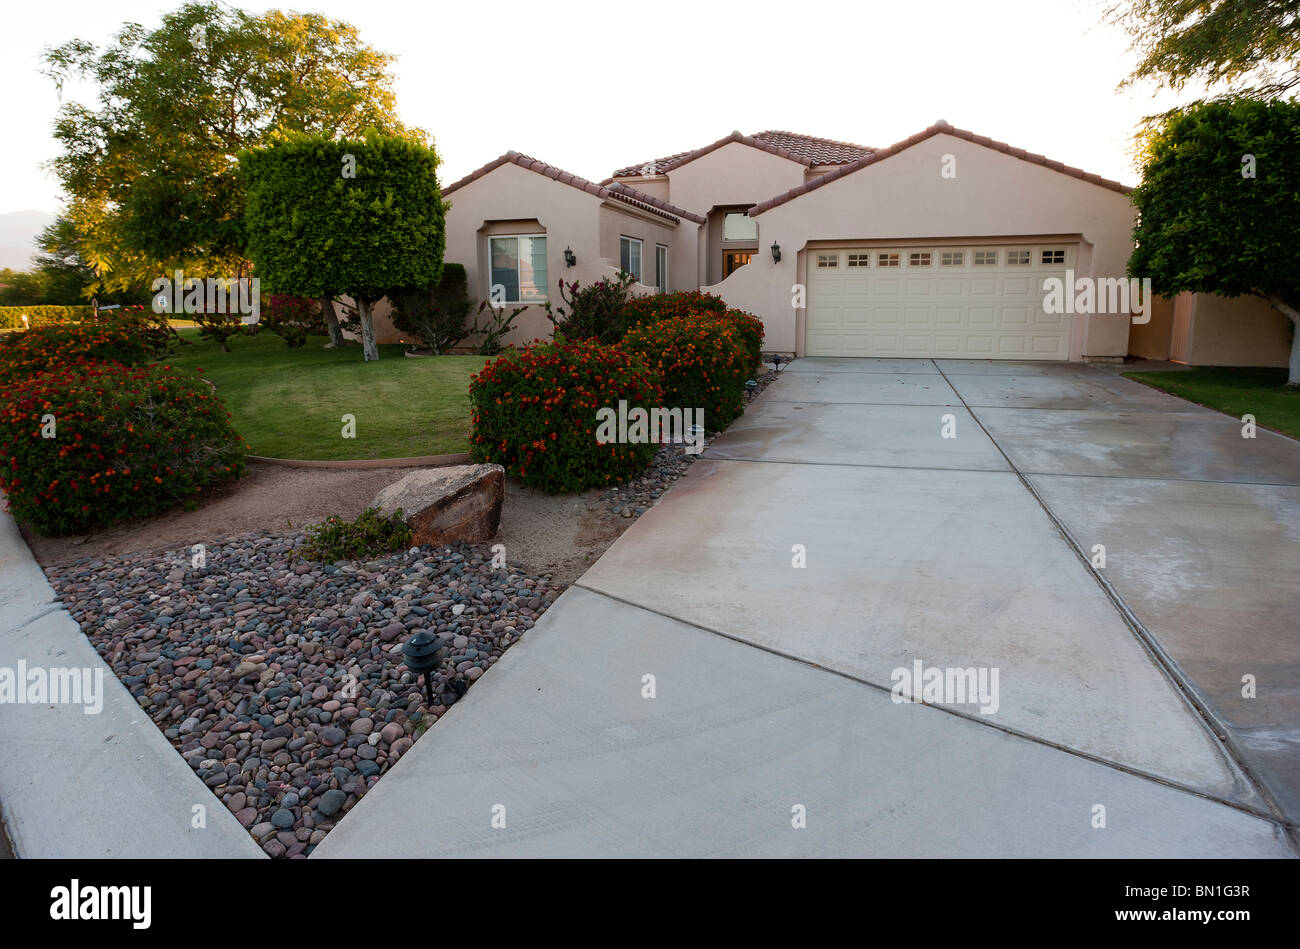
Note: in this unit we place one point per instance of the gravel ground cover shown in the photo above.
(281, 683)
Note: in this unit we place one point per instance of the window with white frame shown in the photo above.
(1017, 258)
(629, 256)
(859, 260)
(518, 268)
(986, 258)
(739, 226)
(661, 268)
(1053, 256)
(952, 258)
(828, 260)
(886, 260)
(918, 258)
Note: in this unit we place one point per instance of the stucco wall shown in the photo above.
(1152, 340)
(735, 174)
(994, 196)
(589, 225)
(1238, 331)
(569, 218)
(655, 187)
(380, 314)
(616, 223)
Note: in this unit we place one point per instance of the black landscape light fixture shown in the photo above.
(776, 252)
(569, 259)
(776, 361)
(751, 384)
(421, 655)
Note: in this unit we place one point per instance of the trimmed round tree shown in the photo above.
(358, 217)
(1219, 207)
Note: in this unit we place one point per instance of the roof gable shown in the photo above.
(939, 128)
(616, 190)
(806, 150)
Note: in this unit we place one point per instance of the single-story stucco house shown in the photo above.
(937, 246)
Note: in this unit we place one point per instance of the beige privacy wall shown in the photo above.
(1204, 330)
(1242, 331)
(994, 197)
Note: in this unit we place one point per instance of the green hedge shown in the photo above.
(11, 317)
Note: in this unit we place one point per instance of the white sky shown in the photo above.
(592, 86)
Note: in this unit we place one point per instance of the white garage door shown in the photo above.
(974, 302)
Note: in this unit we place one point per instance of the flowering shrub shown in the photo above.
(88, 445)
(750, 330)
(701, 362)
(132, 337)
(666, 306)
(534, 413)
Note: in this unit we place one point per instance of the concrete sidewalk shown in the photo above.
(772, 681)
(100, 785)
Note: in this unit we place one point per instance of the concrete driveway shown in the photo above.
(725, 680)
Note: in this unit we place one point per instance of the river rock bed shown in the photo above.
(281, 681)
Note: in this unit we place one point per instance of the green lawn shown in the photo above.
(1262, 393)
(289, 403)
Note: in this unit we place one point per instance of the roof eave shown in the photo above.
(939, 128)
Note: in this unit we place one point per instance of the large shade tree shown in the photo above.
(1250, 46)
(150, 168)
(1219, 205)
(353, 217)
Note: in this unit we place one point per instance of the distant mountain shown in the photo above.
(18, 233)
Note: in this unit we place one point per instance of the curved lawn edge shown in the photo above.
(423, 461)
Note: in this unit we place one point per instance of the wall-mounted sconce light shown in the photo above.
(569, 259)
(776, 252)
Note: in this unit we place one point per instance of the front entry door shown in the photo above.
(733, 260)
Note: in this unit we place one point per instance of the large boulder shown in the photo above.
(459, 503)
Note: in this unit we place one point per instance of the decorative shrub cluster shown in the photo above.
(292, 319)
(90, 445)
(598, 311)
(435, 315)
(534, 410)
(130, 337)
(666, 306)
(534, 413)
(701, 362)
(750, 330)
(372, 534)
(11, 317)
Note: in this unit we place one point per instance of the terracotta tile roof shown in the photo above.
(615, 190)
(940, 127)
(804, 149)
(818, 151)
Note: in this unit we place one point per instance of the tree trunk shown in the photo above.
(1292, 314)
(368, 347)
(331, 321)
